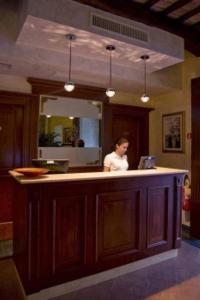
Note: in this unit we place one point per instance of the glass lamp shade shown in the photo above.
(110, 92)
(69, 86)
(145, 98)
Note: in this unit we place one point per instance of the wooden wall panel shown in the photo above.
(158, 208)
(69, 232)
(118, 223)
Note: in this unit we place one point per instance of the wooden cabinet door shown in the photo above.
(119, 229)
(160, 210)
(63, 231)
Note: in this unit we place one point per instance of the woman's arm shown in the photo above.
(106, 169)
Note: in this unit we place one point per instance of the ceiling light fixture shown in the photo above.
(145, 97)
(110, 92)
(69, 85)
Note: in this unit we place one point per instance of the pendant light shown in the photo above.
(69, 85)
(110, 92)
(145, 97)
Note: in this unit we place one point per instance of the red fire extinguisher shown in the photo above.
(186, 194)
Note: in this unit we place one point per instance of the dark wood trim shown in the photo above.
(150, 3)
(178, 186)
(190, 14)
(195, 186)
(175, 6)
(55, 88)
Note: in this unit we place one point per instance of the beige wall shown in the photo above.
(174, 102)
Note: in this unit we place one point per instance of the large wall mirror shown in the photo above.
(70, 129)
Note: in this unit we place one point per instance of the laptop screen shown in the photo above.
(147, 162)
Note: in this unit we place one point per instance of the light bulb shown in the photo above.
(48, 116)
(71, 118)
(145, 98)
(69, 86)
(110, 92)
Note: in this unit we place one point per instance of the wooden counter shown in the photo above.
(72, 225)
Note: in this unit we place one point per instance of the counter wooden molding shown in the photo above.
(72, 225)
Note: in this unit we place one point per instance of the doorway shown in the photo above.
(15, 149)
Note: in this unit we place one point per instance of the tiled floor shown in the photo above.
(10, 286)
(174, 279)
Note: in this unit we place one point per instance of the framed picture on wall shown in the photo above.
(173, 132)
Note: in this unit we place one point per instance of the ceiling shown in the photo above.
(40, 50)
(181, 17)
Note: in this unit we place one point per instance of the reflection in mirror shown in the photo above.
(57, 131)
(70, 128)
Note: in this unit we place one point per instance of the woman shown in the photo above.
(117, 160)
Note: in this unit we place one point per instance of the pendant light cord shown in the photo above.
(70, 59)
(145, 77)
(110, 79)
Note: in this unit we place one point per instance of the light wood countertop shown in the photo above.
(94, 175)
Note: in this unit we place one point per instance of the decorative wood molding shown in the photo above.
(55, 88)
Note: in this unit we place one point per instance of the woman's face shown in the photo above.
(121, 149)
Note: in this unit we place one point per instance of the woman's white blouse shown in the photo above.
(116, 162)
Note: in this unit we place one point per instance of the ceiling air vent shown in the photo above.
(119, 28)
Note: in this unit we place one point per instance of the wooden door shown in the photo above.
(130, 122)
(11, 151)
(15, 149)
(11, 137)
(130, 129)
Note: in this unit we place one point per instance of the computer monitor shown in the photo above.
(147, 162)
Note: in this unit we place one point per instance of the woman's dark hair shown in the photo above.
(119, 142)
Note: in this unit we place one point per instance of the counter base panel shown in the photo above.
(64, 231)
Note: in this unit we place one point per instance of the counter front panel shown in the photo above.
(66, 230)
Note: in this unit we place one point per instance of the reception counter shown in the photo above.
(72, 225)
